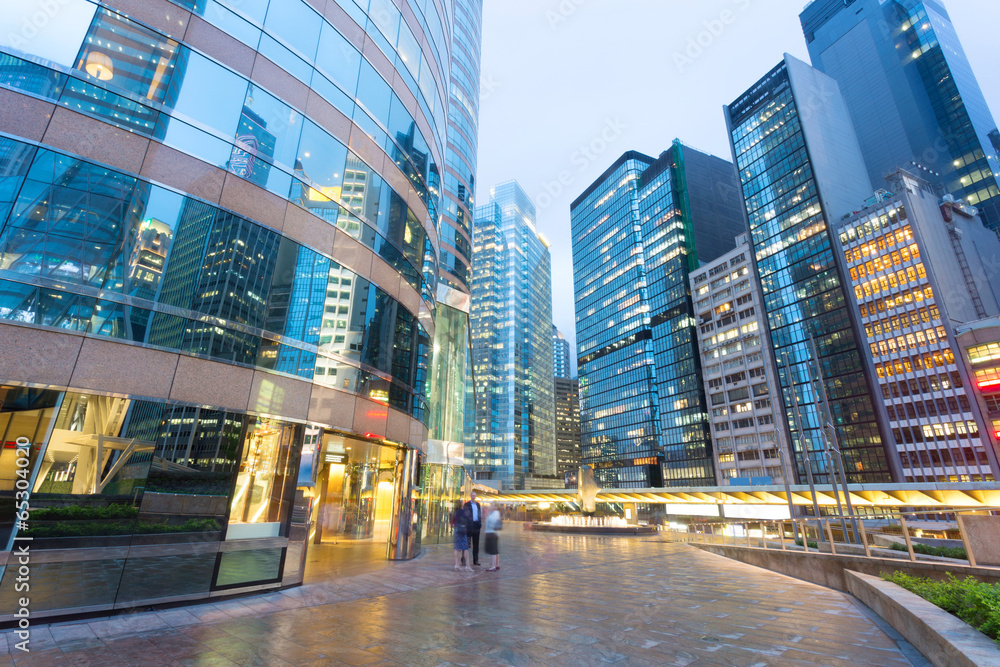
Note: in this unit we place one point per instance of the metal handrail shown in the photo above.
(821, 525)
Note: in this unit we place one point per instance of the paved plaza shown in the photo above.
(557, 600)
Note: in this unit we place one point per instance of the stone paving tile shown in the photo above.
(557, 600)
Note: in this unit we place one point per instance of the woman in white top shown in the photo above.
(492, 527)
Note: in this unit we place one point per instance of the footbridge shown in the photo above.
(965, 495)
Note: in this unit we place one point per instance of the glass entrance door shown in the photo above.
(354, 492)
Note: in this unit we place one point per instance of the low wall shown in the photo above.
(828, 569)
(943, 639)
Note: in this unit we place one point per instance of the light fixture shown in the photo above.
(99, 66)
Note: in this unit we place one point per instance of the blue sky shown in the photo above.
(569, 85)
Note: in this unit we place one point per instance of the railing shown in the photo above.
(947, 536)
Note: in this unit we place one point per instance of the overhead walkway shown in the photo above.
(952, 495)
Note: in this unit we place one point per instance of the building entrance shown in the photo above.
(352, 507)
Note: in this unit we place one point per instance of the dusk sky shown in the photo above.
(570, 85)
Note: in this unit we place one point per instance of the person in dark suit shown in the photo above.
(475, 511)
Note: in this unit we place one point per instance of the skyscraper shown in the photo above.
(560, 355)
(567, 410)
(463, 144)
(911, 94)
(448, 387)
(512, 344)
(738, 371)
(637, 233)
(800, 168)
(220, 240)
(917, 268)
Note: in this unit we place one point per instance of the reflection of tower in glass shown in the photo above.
(357, 195)
(149, 255)
(199, 438)
(235, 276)
(252, 141)
(66, 233)
(180, 278)
(21, 74)
(342, 328)
(411, 159)
(325, 201)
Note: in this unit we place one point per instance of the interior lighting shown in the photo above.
(99, 66)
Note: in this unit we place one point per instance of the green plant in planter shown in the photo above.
(85, 512)
(189, 526)
(109, 528)
(975, 602)
(929, 550)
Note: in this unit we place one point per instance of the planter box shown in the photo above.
(945, 640)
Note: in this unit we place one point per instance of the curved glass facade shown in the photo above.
(463, 132)
(142, 263)
(450, 390)
(222, 221)
(171, 93)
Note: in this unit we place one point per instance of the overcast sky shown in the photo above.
(570, 85)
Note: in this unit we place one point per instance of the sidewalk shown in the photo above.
(557, 600)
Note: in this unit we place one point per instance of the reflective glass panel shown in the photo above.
(337, 57)
(207, 92)
(128, 55)
(265, 482)
(296, 23)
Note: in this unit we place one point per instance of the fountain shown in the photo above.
(586, 522)
(590, 525)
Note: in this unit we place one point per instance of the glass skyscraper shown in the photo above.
(560, 355)
(221, 227)
(449, 386)
(463, 143)
(800, 167)
(911, 94)
(637, 233)
(515, 443)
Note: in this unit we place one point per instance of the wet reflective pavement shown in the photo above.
(557, 600)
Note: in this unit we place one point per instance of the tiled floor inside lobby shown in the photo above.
(557, 600)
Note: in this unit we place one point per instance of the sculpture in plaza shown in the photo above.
(587, 489)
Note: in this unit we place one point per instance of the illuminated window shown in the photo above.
(981, 353)
(988, 377)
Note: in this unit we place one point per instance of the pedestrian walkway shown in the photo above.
(557, 600)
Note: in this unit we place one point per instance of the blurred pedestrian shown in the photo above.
(494, 523)
(460, 520)
(475, 511)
